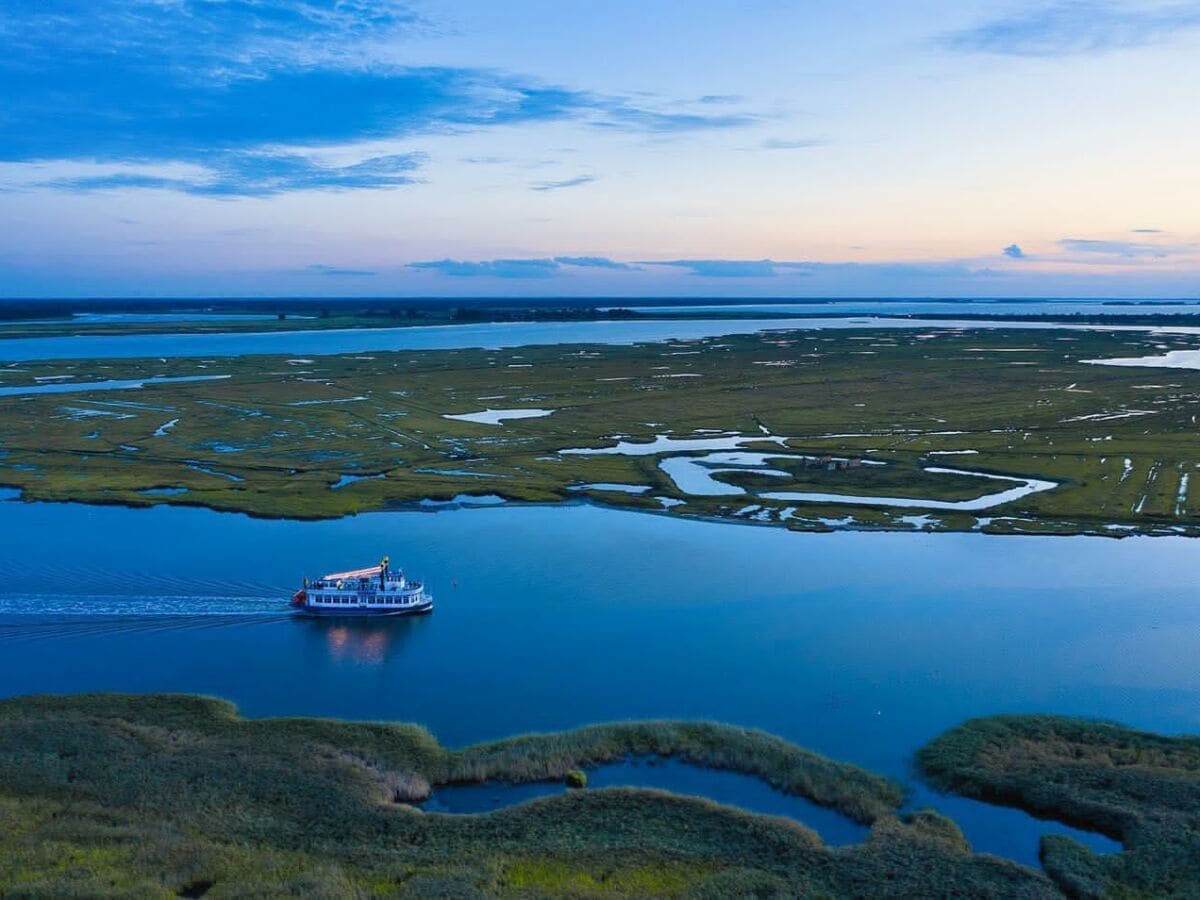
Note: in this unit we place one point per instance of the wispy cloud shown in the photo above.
(253, 174)
(885, 278)
(492, 268)
(1146, 230)
(577, 181)
(519, 268)
(233, 85)
(594, 262)
(1125, 249)
(619, 114)
(1075, 26)
(1013, 251)
(725, 268)
(798, 144)
(771, 268)
(547, 267)
(338, 271)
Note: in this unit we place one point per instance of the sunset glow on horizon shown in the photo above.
(352, 148)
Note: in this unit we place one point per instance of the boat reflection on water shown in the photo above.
(366, 642)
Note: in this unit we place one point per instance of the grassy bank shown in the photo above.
(173, 795)
(1140, 788)
(278, 435)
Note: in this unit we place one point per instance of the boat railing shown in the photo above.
(412, 587)
(369, 584)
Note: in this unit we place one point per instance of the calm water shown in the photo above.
(861, 646)
(450, 337)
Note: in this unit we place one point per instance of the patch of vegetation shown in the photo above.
(164, 795)
(276, 436)
(1142, 789)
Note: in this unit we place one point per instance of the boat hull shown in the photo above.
(363, 612)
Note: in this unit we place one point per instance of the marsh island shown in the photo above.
(1021, 430)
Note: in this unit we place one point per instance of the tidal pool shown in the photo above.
(857, 645)
(346, 479)
(499, 416)
(461, 500)
(664, 443)
(611, 486)
(1024, 487)
(731, 788)
(1172, 359)
(693, 475)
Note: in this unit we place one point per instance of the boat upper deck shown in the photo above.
(369, 572)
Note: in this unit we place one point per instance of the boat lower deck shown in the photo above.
(348, 611)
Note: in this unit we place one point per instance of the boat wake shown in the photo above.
(31, 617)
(156, 605)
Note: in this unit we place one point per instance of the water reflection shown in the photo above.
(363, 642)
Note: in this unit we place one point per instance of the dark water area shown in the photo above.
(861, 646)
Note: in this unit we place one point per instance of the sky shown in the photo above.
(757, 148)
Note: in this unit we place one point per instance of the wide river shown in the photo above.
(488, 335)
(858, 645)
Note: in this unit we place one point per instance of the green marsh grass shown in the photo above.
(168, 795)
(1140, 788)
(287, 429)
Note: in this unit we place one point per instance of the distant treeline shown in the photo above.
(518, 309)
(459, 310)
(1072, 318)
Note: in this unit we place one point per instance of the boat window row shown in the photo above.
(354, 601)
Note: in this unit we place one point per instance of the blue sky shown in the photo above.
(660, 147)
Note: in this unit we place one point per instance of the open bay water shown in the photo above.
(861, 646)
(494, 335)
